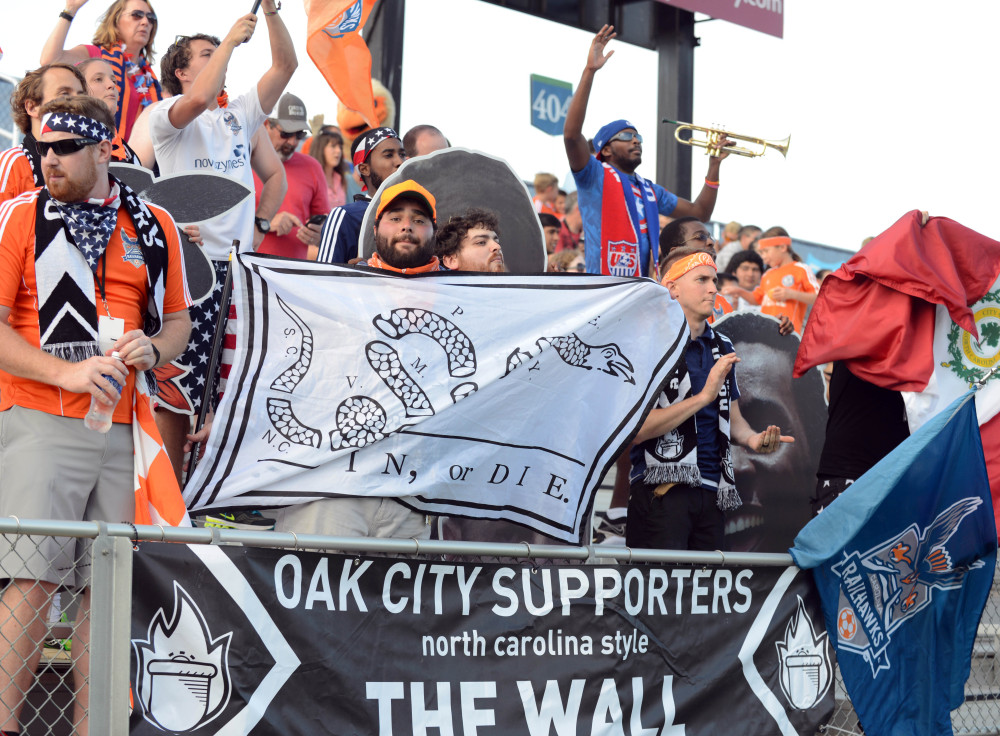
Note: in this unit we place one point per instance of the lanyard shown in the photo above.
(102, 280)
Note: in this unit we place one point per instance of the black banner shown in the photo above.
(234, 640)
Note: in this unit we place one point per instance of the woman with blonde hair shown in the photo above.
(124, 39)
(328, 149)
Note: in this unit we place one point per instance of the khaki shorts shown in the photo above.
(53, 467)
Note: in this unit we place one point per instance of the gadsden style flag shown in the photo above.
(489, 396)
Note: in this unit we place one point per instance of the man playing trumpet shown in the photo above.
(620, 208)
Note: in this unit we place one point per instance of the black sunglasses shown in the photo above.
(299, 135)
(139, 15)
(64, 147)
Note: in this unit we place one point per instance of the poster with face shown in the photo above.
(459, 179)
(775, 488)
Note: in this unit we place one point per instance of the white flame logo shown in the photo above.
(182, 674)
(806, 671)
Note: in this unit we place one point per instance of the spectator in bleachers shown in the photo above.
(546, 192)
(124, 39)
(101, 84)
(376, 153)
(471, 242)
(620, 208)
(21, 166)
(551, 227)
(745, 239)
(423, 139)
(291, 232)
(328, 149)
(571, 231)
(747, 268)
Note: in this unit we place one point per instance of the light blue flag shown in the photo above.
(904, 561)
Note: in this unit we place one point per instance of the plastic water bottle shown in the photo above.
(99, 416)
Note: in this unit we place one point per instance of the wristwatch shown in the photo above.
(263, 225)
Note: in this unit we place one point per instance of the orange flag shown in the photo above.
(158, 498)
(340, 53)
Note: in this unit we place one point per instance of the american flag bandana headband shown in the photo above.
(67, 122)
(369, 139)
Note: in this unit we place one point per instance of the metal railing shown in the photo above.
(50, 698)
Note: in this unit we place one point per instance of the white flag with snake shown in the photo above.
(488, 396)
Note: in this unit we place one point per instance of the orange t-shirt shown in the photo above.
(126, 288)
(16, 176)
(722, 308)
(795, 276)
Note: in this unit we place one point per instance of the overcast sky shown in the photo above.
(889, 104)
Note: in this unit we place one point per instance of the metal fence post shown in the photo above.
(110, 633)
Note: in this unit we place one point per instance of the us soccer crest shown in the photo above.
(804, 655)
(971, 359)
(881, 589)
(623, 258)
(182, 679)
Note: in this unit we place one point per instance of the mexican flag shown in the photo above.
(917, 310)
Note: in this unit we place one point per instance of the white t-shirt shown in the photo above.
(216, 141)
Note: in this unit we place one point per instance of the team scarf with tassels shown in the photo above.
(70, 243)
(673, 458)
(137, 83)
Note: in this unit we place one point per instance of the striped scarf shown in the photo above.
(137, 83)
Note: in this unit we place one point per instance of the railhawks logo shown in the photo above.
(972, 359)
(345, 23)
(890, 583)
(182, 677)
(133, 253)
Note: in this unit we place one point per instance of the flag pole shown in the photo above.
(213, 361)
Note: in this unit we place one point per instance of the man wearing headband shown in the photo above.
(20, 166)
(376, 154)
(788, 287)
(682, 479)
(199, 128)
(620, 208)
(86, 268)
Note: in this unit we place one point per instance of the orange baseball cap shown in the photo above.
(411, 189)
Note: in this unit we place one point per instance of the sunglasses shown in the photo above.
(625, 136)
(64, 147)
(702, 236)
(138, 15)
(298, 135)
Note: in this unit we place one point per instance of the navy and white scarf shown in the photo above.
(673, 458)
(70, 240)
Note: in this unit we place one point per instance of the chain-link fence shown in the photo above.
(62, 652)
(9, 133)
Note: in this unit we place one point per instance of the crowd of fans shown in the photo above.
(606, 220)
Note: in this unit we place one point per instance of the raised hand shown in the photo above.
(597, 58)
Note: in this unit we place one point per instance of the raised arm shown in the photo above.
(283, 61)
(704, 205)
(53, 50)
(205, 88)
(661, 421)
(577, 150)
(266, 164)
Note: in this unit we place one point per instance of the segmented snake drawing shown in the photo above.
(361, 420)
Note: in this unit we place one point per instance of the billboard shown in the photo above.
(766, 16)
